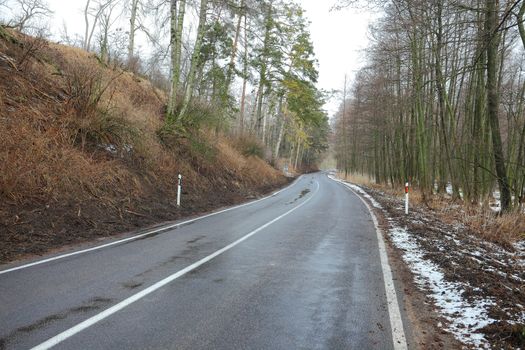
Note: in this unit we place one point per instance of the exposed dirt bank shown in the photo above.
(85, 152)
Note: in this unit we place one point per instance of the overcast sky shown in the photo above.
(339, 37)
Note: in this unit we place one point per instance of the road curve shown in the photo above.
(298, 270)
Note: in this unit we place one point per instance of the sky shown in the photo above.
(339, 38)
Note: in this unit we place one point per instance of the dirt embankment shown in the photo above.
(84, 155)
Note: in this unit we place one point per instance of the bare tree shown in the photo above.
(107, 20)
(93, 11)
(3, 3)
(195, 58)
(29, 14)
(177, 11)
(134, 8)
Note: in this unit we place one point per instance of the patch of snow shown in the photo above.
(450, 190)
(359, 190)
(111, 148)
(465, 318)
(364, 194)
(495, 206)
(476, 260)
(517, 278)
(477, 253)
(520, 246)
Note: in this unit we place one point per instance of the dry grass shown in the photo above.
(503, 229)
(249, 145)
(356, 178)
(81, 156)
(62, 107)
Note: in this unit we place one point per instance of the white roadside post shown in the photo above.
(179, 190)
(406, 198)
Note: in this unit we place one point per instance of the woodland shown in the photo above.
(440, 101)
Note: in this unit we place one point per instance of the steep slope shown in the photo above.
(81, 155)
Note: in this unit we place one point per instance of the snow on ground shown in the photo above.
(474, 284)
(465, 318)
(520, 255)
(359, 190)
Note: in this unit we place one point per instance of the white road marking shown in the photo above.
(126, 302)
(396, 322)
(163, 228)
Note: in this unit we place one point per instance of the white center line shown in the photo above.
(126, 302)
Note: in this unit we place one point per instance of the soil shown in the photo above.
(38, 228)
(80, 163)
(423, 331)
(485, 270)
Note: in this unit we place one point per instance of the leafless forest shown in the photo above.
(440, 102)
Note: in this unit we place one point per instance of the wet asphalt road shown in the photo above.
(310, 280)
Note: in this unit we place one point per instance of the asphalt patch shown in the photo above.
(93, 304)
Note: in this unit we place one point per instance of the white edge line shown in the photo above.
(163, 228)
(394, 312)
(126, 302)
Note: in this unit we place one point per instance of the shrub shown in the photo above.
(249, 146)
(92, 120)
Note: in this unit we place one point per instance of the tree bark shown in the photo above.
(492, 43)
(244, 78)
(86, 21)
(132, 28)
(176, 26)
(195, 59)
(262, 73)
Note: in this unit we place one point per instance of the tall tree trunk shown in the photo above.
(244, 77)
(297, 155)
(195, 59)
(104, 50)
(492, 43)
(345, 136)
(231, 65)
(262, 73)
(443, 110)
(282, 127)
(132, 29)
(176, 26)
(521, 26)
(86, 21)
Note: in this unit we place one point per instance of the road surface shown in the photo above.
(298, 270)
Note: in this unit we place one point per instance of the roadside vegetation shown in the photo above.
(95, 133)
(451, 120)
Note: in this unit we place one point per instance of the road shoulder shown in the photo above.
(420, 320)
(461, 291)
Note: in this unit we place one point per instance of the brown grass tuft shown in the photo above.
(503, 229)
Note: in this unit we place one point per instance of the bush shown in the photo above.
(92, 120)
(249, 146)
